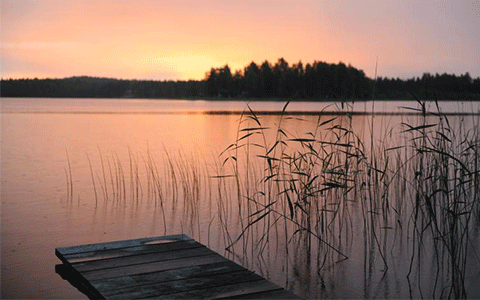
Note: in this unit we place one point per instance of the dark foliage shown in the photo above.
(315, 81)
(429, 87)
(92, 87)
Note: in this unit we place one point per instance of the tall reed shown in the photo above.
(313, 183)
(415, 187)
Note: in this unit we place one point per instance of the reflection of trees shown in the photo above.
(317, 80)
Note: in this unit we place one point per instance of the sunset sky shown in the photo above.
(183, 39)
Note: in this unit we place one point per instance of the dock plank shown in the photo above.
(165, 267)
(163, 276)
(152, 267)
(224, 291)
(180, 286)
(128, 251)
(140, 259)
(124, 244)
(276, 294)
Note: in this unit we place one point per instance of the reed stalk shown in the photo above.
(416, 186)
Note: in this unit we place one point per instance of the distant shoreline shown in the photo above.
(266, 82)
(235, 112)
(243, 99)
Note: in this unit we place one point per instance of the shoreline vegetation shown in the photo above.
(317, 81)
(413, 194)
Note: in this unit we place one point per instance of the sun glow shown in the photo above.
(183, 66)
(183, 39)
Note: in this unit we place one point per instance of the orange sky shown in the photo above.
(182, 39)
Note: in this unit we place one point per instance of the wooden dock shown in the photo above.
(165, 267)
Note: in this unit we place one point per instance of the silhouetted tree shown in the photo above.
(318, 81)
(269, 80)
(253, 81)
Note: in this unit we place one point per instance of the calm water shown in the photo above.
(48, 197)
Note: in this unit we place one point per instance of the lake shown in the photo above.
(78, 171)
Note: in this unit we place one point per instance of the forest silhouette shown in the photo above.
(317, 81)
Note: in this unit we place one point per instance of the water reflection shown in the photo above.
(149, 106)
(135, 175)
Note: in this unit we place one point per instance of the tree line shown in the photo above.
(429, 87)
(313, 81)
(319, 80)
(94, 87)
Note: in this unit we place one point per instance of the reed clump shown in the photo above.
(414, 187)
(445, 191)
(422, 184)
(165, 184)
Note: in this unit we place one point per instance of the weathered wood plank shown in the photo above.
(123, 244)
(163, 276)
(277, 294)
(196, 285)
(136, 250)
(167, 267)
(224, 291)
(152, 267)
(141, 259)
(77, 281)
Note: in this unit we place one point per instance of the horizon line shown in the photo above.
(199, 80)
